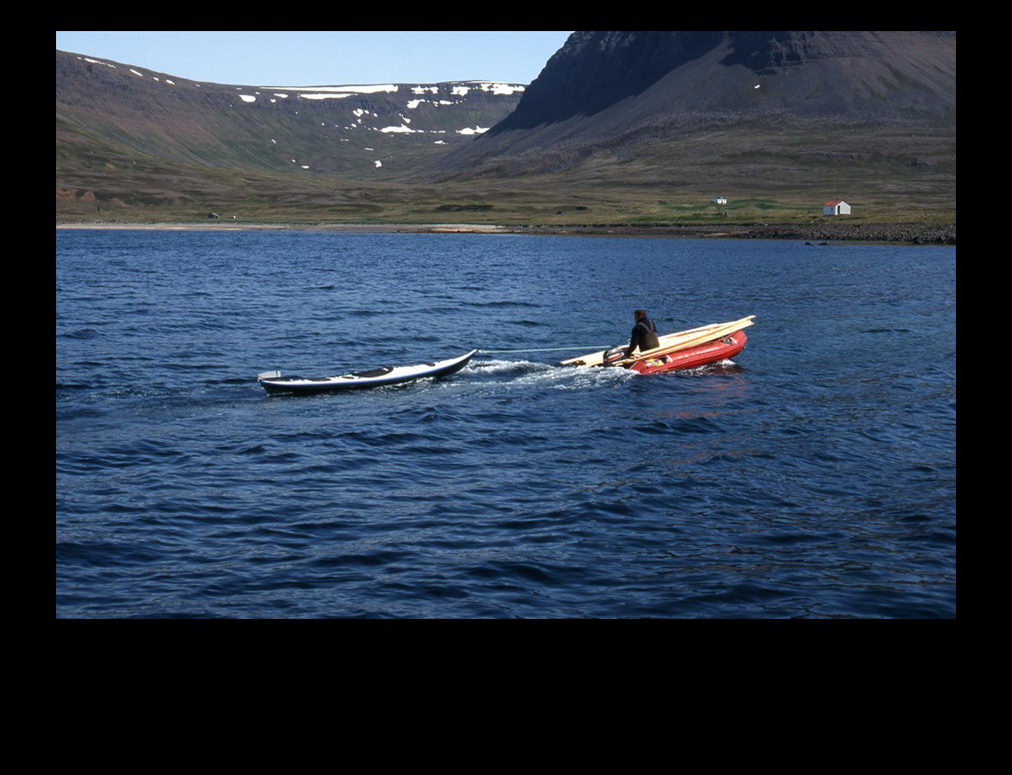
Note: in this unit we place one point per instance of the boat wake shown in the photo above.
(726, 366)
(533, 372)
(525, 374)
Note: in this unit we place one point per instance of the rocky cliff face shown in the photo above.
(862, 74)
(595, 70)
(618, 88)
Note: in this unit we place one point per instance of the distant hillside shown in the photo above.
(639, 128)
(110, 113)
(629, 95)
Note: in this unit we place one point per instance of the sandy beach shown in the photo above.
(234, 226)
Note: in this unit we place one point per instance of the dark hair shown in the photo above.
(640, 313)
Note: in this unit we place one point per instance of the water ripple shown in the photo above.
(813, 477)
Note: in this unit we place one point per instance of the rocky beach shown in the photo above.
(908, 233)
(913, 233)
(903, 233)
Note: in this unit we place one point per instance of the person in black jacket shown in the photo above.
(644, 334)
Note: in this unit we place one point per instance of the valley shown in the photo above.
(137, 147)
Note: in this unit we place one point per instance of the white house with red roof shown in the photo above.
(836, 207)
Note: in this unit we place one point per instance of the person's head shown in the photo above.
(639, 314)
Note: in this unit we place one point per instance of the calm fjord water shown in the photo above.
(814, 477)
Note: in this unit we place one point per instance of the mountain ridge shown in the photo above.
(619, 127)
(338, 129)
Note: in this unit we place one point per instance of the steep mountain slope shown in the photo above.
(613, 92)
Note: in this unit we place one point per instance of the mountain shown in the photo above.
(115, 116)
(627, 91)
(628, 127)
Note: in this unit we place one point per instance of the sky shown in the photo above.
(304, 58)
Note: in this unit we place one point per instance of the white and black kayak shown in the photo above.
(274, 383)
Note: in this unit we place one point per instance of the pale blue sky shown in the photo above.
(319, 58)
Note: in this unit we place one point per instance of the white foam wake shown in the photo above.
(524, 374)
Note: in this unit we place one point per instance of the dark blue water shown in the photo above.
(814, 477)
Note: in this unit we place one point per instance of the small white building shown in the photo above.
(836, 207)
(719, 200)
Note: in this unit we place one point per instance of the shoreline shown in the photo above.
(822, 232)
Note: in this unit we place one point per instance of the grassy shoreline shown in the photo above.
(822, 231)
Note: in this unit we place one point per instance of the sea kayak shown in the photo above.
(275, 384)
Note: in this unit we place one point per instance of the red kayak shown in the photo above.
(711, 352)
